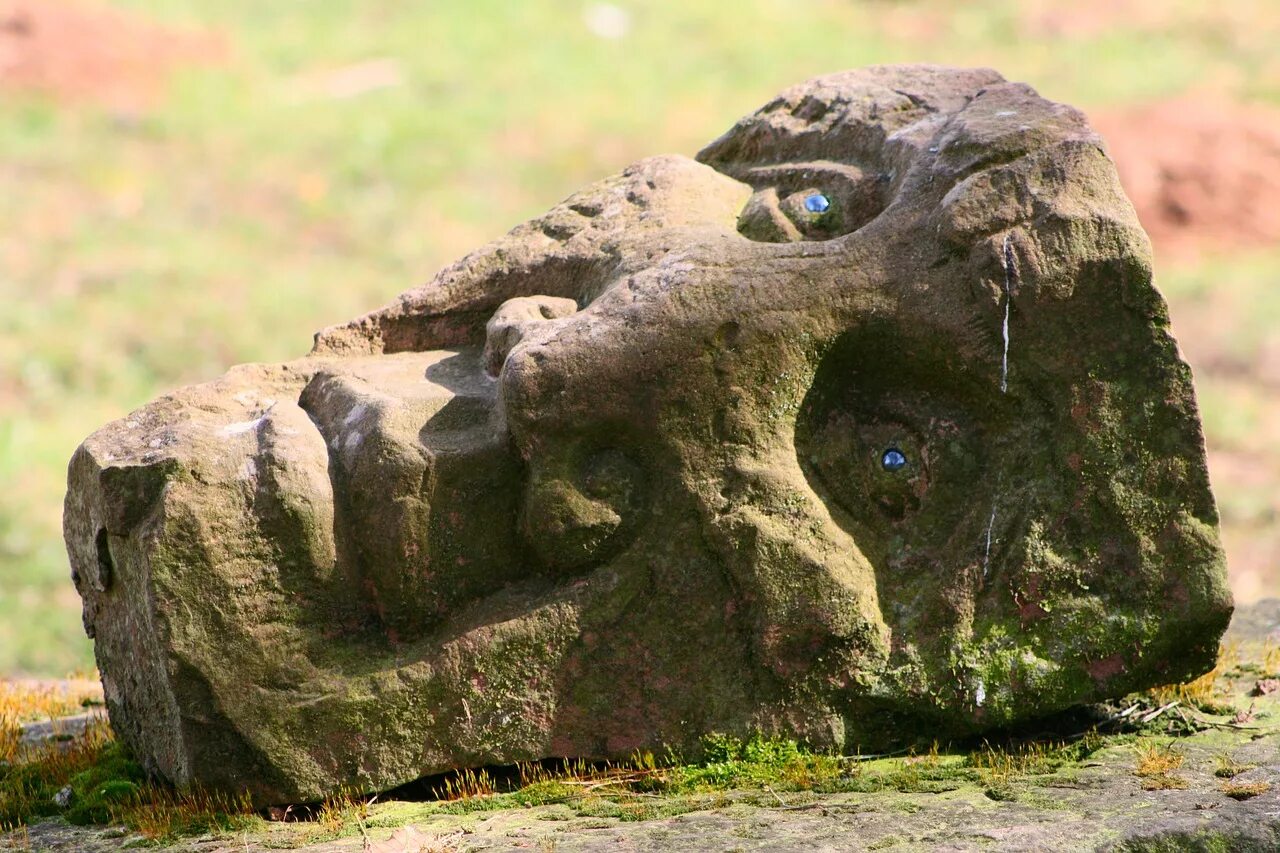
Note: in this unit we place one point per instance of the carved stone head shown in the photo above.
(864, 426)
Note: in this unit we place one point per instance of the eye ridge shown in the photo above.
(893, 459)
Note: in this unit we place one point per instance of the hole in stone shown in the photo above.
(105, 564)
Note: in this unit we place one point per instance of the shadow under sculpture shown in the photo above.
(863, 426)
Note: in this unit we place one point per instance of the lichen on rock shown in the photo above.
(864, 426)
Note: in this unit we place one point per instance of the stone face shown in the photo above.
(626, 476)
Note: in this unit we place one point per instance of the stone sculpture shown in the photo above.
(864, 426)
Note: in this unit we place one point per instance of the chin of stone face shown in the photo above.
(864, 426)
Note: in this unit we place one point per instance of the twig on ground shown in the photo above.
(1122, 714)
(825, 808)
(873, 757)
(1157, 712)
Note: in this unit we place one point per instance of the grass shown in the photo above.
(1210, 692)
(249, 207)
(1157, 765)
(28, 783)
(99, 781)
(1000, 768)
(1244, 790)
(1271, 659)
(107, 787)
(336, 814)
(760, 771)
(101, 784)
(22, 702)
(1229, 768)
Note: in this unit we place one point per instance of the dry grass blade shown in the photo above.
(1271, 659)
(1156, 766)
(24, 701)
(1154, 759)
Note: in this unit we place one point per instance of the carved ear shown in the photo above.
(514, 320)
(582, 507)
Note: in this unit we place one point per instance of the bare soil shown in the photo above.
(77, 51)
(1201, 171)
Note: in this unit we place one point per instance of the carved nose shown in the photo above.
(514, 320)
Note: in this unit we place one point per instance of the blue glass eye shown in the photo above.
(817, 203)
(893, 459)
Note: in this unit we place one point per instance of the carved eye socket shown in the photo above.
(811, 201)
(817, 203)
(893, 459)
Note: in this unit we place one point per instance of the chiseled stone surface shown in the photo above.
(865, 425)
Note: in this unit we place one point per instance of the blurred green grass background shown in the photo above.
(332, 153)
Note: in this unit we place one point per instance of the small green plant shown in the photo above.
(1244, 790)
(92, 779)
(1229, 768)
(465, 785)
(1155, 759)
(1164, 782)
(338, 814)
(728, 762)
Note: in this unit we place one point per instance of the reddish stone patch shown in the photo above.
(76, 51)
(1202, 172)
(1028, 603)
(1266, 686)
(1103, 669)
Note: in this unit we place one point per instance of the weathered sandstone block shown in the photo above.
(864, 426)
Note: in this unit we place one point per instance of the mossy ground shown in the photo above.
(1202, 738)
